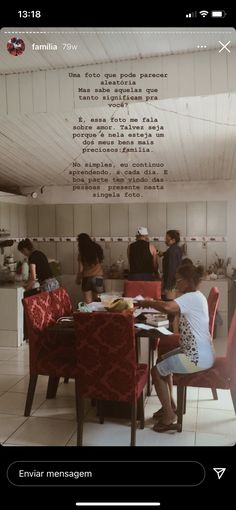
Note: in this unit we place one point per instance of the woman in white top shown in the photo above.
(195, 341)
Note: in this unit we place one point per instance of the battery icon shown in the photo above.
(218, 14)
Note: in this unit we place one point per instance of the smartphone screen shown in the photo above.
(122, 138)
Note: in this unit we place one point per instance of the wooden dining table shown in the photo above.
(66, 329)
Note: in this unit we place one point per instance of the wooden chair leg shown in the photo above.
(138, 349)
(149, 381)
(80, 404)
(66, 380)
(214, 393)
(185, 399)
(52, 387)
(133, 423)
(180, 406)
(141, 410)
(152, 358)
(30, 394)
(233, 396)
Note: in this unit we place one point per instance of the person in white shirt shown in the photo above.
(197, 351)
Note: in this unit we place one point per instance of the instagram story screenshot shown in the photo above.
(117, 257)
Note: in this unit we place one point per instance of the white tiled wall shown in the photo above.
(176, 217)
(102, 220)
(137, 217)
(156, 219)
(196, 218)
(216, 218)
(119, 219)
(47, 220)
(32, 221)
(82, 219)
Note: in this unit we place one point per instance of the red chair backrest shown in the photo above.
(146, 289)
(231, 352)
(105, 355)
(39, 315)
(213, 301)
(61, 303)
(38, 310)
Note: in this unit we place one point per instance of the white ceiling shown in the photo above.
(200, 143)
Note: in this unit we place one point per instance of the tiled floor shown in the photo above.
(52, 422)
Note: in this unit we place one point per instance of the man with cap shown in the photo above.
(142, 256)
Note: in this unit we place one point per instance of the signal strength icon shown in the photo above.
(203, 13)
(191, 14)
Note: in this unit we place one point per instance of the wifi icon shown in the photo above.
(204, 13)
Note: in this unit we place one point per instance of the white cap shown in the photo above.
(142, 231)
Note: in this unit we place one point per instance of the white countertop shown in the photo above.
(11, 285)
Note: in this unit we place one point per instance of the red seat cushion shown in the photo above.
(214, 377)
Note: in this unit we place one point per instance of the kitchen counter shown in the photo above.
(11, 285)
(11, 314)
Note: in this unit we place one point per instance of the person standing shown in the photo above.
(142, 256)
(90, 269)
(39, 268)
(172, 258)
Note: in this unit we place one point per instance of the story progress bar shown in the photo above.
(101, 504)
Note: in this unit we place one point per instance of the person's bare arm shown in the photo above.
(32, 277)
(161, 306)
(80, 272)
(154, 256)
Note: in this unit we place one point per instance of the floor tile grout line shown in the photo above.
(26, 418)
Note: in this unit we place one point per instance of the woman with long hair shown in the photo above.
(90, 270)
(196, 351)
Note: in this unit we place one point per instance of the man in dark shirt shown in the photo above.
(171, 261)
(39, 267)
(142, 257)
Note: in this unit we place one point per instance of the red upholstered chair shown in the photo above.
(106, 364)
(61, 303)
(222, 375)
(49, 355)
(62, 306)
(213, 301)
(147, 290)
(171, 342)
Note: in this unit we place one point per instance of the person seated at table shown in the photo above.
(197, 351)
(90, 270)
(175, 319)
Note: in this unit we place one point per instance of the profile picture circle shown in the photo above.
(16, 46)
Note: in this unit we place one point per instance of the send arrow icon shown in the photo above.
(219, 472)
